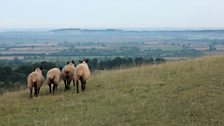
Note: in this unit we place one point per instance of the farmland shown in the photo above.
(63, 43)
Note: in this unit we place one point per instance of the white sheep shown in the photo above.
(53, 77)
(82, 73)
(35, 80)
(67, 74)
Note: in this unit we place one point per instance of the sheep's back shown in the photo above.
(82, 70)
(34, 77)
(68, 71)
(54, 74)
(68, 68)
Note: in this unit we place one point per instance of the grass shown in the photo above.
(177, 93)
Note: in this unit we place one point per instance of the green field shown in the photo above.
(176, 93)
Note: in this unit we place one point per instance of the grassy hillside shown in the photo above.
(178, 93)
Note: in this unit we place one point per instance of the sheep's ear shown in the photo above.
(41, 68)
(60, 68)
(80, 61)
(86, 60)
(67, 62)
(73, 62)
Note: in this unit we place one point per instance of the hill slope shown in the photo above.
(179, 93)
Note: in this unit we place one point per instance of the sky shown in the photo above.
(112, 14)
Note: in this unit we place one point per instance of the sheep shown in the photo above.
(82, 73)
(35, 80)
(67, 74)
(53, 77)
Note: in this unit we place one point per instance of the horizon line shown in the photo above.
(114, 28)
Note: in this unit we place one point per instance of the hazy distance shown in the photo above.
(122, 14)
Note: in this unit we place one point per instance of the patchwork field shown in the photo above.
(109, 43)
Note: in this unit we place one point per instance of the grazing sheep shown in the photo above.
(53, 77)
(35, 80)
(67, 74)
(82, 73)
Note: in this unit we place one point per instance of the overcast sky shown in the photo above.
(112, 13)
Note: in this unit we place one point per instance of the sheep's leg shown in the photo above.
(73, 82)
(77, 85)
(83, 84)
(65, 85)
(31, 92)
(38, 90)
(54, 88)
(35, 90)
(68, 84)
(49, 88)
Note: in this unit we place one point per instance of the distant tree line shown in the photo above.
(14, 73)
(117, 62)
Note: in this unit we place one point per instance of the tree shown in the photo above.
(159, 60)
(26, 69)
(138, 60)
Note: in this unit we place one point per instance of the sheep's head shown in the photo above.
(84, 60)
(69, 67)
(72, 62)
(38, 69)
